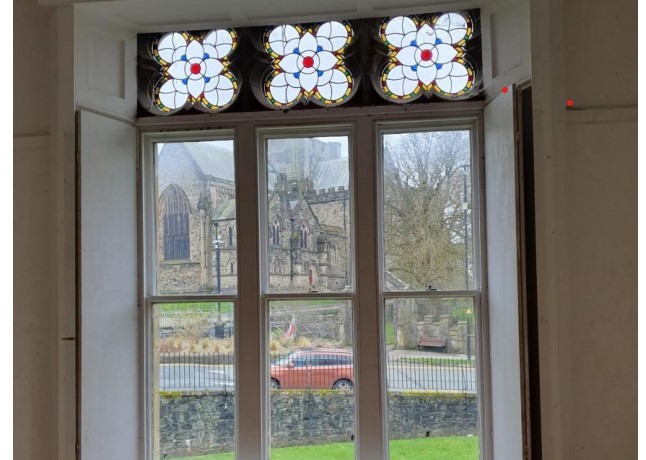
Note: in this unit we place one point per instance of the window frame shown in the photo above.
(251, 301)
(477, 293)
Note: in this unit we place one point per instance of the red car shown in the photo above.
(310, 369)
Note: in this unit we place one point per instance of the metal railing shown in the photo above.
(215, 372)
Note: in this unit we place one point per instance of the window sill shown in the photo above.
(178, 262)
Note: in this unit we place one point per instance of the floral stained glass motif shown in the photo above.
(308, 64)
(196, 71)
(426, 56)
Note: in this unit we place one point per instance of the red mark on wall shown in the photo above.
(569, 103)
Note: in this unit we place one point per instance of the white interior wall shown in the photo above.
(501, 196)
(105, 91)
(109, 390)
(505, 44)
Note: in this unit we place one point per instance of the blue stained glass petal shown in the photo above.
(297, 74)
(439, 66)
(414, 67)
(319, 72)
(185, 81)
(413, 43)
(438, 41)
(206, 56)
(183, 58)
(297, 51)
(207, 79)
(319, 48)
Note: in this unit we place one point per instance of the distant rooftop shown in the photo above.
(213, 160)
(331, 173)
(217, 162)
(226, 210)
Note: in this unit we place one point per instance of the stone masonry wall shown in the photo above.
(200, 423)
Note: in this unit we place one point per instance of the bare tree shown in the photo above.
(423, 215)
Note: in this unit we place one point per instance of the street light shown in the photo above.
(217, 243)
(468, 334)
(291, 253)
(465, 209)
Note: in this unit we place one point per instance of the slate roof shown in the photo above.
(331, 173)
(217, 162)
(226, 210)
(212, 159)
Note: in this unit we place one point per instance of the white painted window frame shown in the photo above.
(251, 312)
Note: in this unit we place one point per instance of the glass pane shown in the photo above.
(427, 216)
(193, 379)
(432, 380)
(308, 214)
(311, 379)
(196, 218)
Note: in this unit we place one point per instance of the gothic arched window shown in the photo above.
(275, 233)
(304, 236)
(175, 211)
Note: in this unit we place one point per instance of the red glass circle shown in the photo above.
(426, 55)
(196, 68)
(308, 61)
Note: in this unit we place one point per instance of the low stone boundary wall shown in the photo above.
(195, 423)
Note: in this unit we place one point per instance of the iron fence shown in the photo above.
(215, 371)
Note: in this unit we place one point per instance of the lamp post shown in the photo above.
(468, 334)
(217, 243)
(291, 253)
(465, 209)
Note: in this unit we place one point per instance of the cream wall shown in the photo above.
(35, 306)
(586, 203)
(586, 228)
(34, 309)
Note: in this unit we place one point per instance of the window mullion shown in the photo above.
(250, 334)
(370, 416)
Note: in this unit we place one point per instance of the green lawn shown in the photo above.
(445, 448)
(225, 307)
(306, 303)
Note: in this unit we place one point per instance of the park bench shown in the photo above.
(434, 342)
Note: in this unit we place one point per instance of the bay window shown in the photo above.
(328, 293)
(385, 307)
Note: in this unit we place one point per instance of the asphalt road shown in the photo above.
(409, 376)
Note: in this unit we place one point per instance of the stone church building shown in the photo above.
(308, 217)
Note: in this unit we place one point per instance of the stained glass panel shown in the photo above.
(308, 64)
(195, 71)
(426, 55)
(403, 59)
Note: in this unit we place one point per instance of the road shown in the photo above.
(408, 376)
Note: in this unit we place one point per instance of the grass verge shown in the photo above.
(440, 448)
